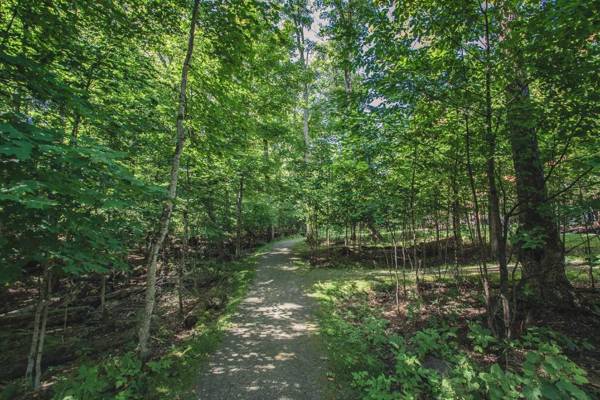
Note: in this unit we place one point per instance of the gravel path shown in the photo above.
(272, 350)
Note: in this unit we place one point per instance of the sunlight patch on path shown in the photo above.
(271, 349)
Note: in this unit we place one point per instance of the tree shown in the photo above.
(157, 241)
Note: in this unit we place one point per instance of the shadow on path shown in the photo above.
(272, 349)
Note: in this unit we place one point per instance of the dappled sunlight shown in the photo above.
(271, 338)
(252, 300)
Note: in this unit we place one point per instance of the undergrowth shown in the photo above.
(172, 375)
(370, 360)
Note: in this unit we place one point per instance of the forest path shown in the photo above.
(272, 350)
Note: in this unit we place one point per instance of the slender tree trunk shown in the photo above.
(588, 244)
(397, 278)
(347, 81)
(271, 229)
(497, 237)
(404, 257)
(40, 346)
(360, 236)
(226, 221)
(103, 296)
(495, 225)
(305, 117)
(483, 271)
(6, 33)
(302, 49)
(182, 264)
(346, 234)
(413, 223)
(238, 228)
(36, 332)
(436, 222)
(158, 239)
(34, 360)
(456, 214)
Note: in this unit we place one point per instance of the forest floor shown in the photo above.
(360, 320)
(86, 354)
(271, 349)
(279, 324)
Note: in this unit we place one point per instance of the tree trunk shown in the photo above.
(456, 215)
(40, 346)
(397, 278)
(103, 296)
(539, 246)
(456, 228)
(35, 336)
(303, 51)
(158, 239)
(360, 236)
(183, 261)
(305, 117)
(346, 234)
(483, 271)
(34, 360)
(238, 227)
(497, 237)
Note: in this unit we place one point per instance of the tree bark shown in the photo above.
(103, 296)
(34, 360)
(305, 117)
(183, 262)
(268, 186)
(497, 237)
(538, 245)
(158, 239)
(303, 51)
(238, 227)
(40, 345)
(34, 337)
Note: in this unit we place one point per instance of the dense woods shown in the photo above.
(148, 148)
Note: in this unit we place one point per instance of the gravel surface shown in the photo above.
(272, 350)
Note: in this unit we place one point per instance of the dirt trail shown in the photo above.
(272, 350)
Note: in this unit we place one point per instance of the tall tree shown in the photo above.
(159, 237)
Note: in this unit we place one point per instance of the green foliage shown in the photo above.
(71, 202)
(118, 377)
(431, 363)
(172, 375)
(356, 331)
(481, 337)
